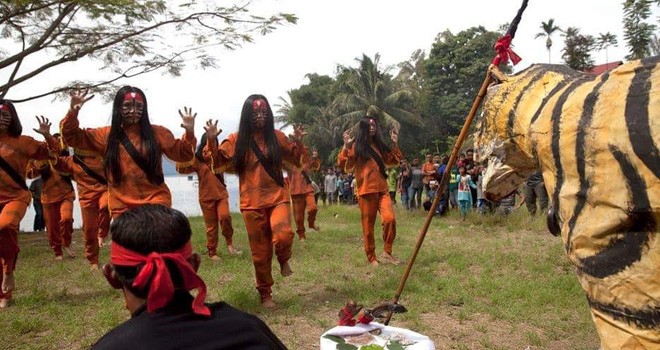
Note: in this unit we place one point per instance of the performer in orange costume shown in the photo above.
(302, 194)
(368, 158)
(132, 148)
(87, 171)
(16, 151)
(256, 153)
(213, 199)
(57, 197)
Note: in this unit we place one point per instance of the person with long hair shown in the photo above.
(87, 170)
(132, 148)
(302, 194)
(368, 157)
(213, 199)
(256, 153)
(16, 151)
(57, 197)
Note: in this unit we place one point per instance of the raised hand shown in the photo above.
(44, 126)
(299, 132)
(188, 120)
(348, 140)
(394, 136)
(78, 98)
(212, 130)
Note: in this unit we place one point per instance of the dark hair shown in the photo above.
(199, 153)
(146, 229)
(245, 136)
(46, 172)
(15, 128)
(151, 147)
(362, 140)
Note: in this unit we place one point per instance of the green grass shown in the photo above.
(486, 283)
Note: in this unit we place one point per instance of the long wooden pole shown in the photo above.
(443, 187)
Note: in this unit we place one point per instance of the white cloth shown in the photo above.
(422, 342)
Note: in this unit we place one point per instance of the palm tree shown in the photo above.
(283, 112)
(604, 41)
(366, 90)
(548, 28)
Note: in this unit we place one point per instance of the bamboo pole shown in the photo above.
(442, 186)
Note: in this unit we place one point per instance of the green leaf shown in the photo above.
(335, 338)
(395, 345)
(345, 346)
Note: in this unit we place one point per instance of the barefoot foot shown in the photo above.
(315, 227)
(7, 282)
(391, 259)
(374, 263)
(285, 269)
(69, 252)
(214, 257)
(4, 303)
(58, 257)
(233, 250)
(93, 267)
(268, 303)
(101, 242)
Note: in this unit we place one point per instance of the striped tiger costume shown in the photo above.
(595, 138)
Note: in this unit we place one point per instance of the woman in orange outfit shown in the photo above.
(132, 148)
(302, 194)
(57, 198)
(87, 171)
(16, 151)
(368, 157)
(213, 199)
(257, 153)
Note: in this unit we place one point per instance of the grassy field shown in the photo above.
(487, 283)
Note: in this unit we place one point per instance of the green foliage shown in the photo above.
(577, 49)
(636, 30)
(126, 38)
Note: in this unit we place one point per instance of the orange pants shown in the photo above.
(11, 214)
(59, 224)
(95, 224)
(370, 204)
(300, 202)
(214, 212)
(268, 228)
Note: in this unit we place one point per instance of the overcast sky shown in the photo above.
(328, 33)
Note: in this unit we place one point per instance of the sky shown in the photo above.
(328, 33)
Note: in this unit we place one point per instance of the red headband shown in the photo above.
(5, 107)
(161, 290)
(133, 96)
(258, 104)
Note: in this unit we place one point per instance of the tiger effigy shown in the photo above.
(595, 139)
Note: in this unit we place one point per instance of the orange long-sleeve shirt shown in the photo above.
(55, 187)
(135, 189)
(298, 185)
(258, 190)
(367, 173)
(210, 188)
(88, 187)
(17, 152)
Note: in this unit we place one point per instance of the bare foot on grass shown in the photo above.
(69, 252)
(214, 257)
(268, 304)
(391, 259)
(374, 263)
(101, 242)
(233, 250)
(7, 282)
(4, 303)
(93, 267)
(285, 270)
(58, 257)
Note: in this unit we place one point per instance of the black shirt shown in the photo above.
(177, 327)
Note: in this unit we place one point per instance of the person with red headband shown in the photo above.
(214, 201)
(258, 153)
(57, 197)
(132, 148)
(302, 194)
(152, 262)
(16, 151)
(368, 157)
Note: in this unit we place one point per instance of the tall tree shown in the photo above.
(547, 29)
(577, 49)
(456, 68)
(636, 30)
(368, 89)
(124, 38)
(604, 41)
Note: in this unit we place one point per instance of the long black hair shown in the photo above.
(245, 136)
(149, 142)
(15, 128)
(46, 172)
(146, 229)
(363, 139)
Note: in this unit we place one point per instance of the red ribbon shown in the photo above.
(345, 318)
(504, 51)
(161, 290)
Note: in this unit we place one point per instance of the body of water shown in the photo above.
(184, 198)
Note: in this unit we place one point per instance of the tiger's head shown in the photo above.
(503, 135)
